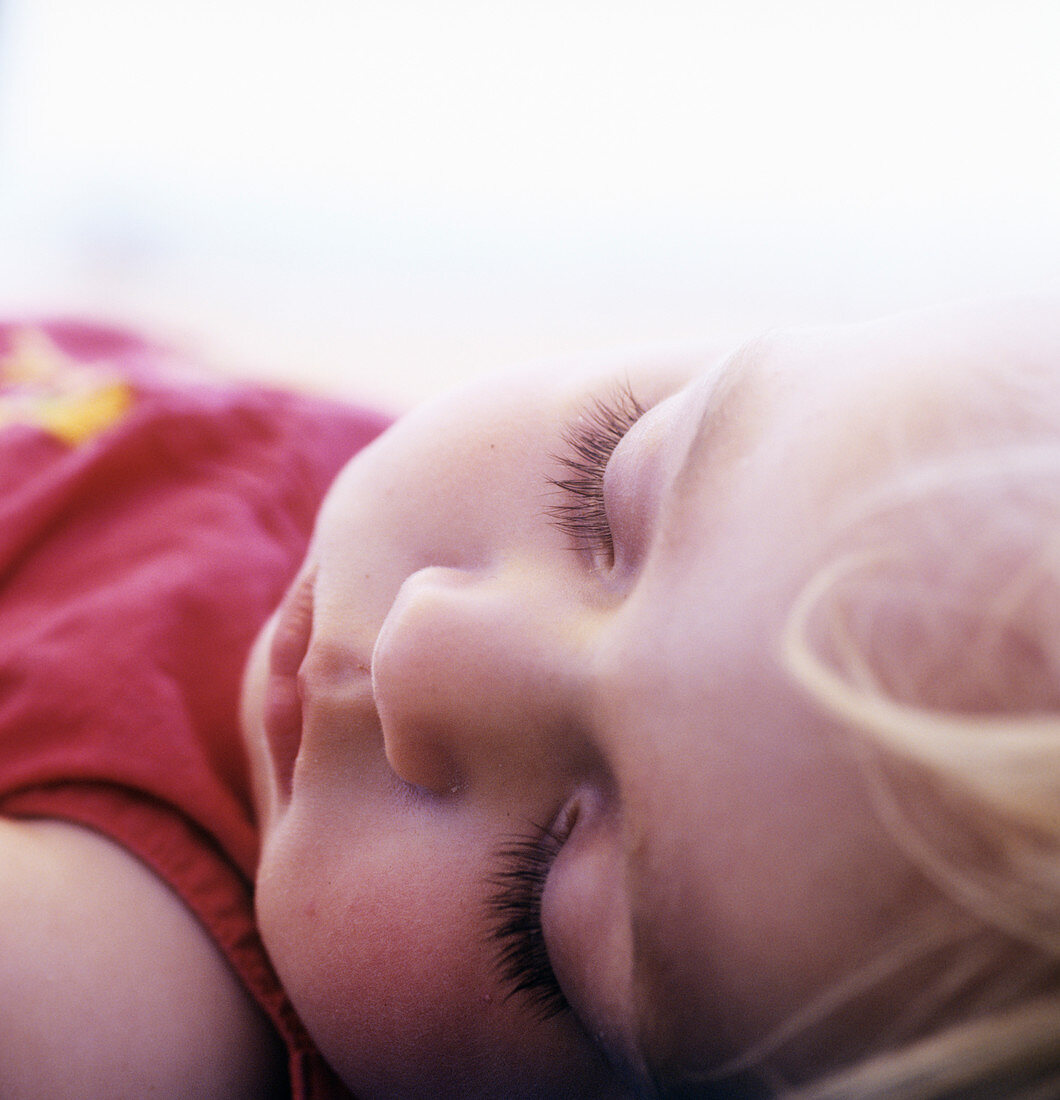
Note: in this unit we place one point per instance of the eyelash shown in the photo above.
(590, 443)
(514, 906)
(517, 887)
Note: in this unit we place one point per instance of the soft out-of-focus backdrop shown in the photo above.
(381, 196)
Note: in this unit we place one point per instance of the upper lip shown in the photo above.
(284, 699)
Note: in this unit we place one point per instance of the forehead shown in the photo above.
(722, 762)
(731, 804)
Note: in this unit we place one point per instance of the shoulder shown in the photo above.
(109, 987)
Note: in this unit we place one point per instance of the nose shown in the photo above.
(474, 676)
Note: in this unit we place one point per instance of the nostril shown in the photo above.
(421, 762)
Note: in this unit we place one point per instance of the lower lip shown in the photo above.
(283, 700)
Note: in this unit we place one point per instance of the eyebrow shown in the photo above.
(726, 392)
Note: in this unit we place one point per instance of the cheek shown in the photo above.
(384, 954)
(366, 947)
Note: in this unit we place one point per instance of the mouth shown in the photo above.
(283, 699)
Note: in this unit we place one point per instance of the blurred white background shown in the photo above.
(383, 195)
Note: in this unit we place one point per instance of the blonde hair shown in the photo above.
(933, 636)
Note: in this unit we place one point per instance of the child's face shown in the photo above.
(471, 680)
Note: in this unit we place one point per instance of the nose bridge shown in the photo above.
(471, 674)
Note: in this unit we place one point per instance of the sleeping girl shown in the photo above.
(681, 729)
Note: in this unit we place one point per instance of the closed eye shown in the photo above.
(590, 441)
(514, 909)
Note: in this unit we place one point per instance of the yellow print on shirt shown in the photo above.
(43, 387)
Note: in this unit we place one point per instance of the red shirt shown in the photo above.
(150, 519)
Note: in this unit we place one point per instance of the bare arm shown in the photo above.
(109, 987)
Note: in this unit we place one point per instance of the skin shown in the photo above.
(469, 674)
(111, 987)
